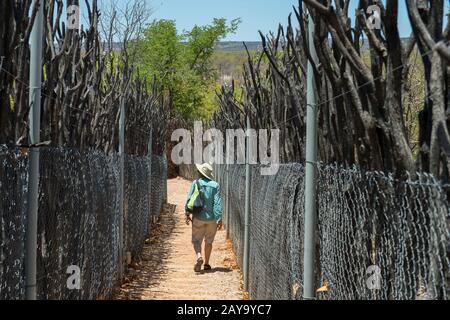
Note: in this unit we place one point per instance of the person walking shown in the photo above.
(208, 218)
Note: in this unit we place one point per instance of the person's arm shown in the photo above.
(218, 206)
(191, 190)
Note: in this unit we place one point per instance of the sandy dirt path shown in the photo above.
(166, 269)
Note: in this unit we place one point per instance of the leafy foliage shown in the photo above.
(181, 62)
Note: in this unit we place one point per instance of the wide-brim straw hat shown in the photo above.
(206, 170)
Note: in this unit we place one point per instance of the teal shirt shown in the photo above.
(213, 201)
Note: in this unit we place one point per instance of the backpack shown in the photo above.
(196, 201)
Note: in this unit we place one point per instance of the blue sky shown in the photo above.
(264, 15)
(256, 15)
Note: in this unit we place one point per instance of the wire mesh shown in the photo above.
(78, 221)
(136, 202)
(276, 233)
(13, 196)
(158, 184)
(278, 246)
(369, 224)
(399, 227)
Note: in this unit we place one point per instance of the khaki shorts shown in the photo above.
(203, 230)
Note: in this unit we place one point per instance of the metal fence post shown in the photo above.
(310, 172)
(247, 209)
(122, 185)
(227, 200)
(35, 127)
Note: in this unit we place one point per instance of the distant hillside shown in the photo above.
(226, 46)
(238, 46)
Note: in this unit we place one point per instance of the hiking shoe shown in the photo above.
(198, 265)
(207, 267)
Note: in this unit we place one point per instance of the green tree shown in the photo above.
(201, 43)
(158, 54)
(181, 62)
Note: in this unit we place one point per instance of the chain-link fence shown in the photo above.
(143, 194)
(78, 222)
(159, 187)
(396, 228)
(13, 196)
(378, 237)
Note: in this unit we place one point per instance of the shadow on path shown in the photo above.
(215, 270)
(150, 270)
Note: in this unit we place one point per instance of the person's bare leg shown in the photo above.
(197, 239)
(208, 250)
(198, 250)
